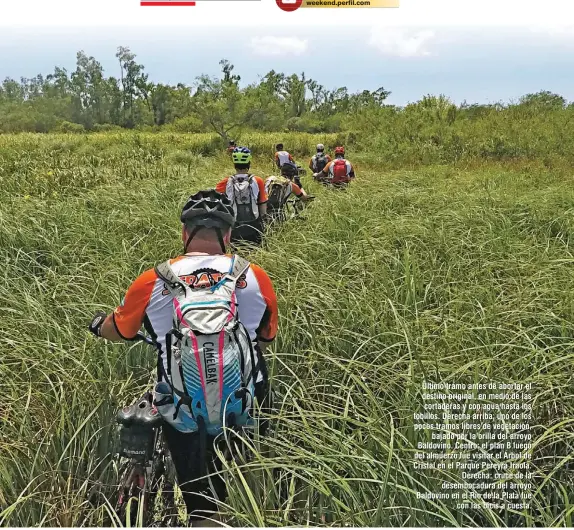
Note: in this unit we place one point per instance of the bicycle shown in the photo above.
(295, 206)
(145, 465)
(328, 183)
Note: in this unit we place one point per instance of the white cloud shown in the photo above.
(269, 46)
(559, 32)
(401, 42)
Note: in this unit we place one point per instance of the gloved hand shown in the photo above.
(96, 324)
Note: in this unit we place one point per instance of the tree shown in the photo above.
(88, 89)
(543, 100)
(133, 82)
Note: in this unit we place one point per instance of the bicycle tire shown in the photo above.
(132, 491)
(164, 479)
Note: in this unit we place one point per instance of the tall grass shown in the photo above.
(440, 273)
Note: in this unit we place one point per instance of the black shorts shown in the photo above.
(185, 454)
(251, 233)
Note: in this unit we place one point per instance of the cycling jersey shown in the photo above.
(281, 157)
(148, 302)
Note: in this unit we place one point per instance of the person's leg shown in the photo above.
(185, 454)
(251, 233)
(263, 392)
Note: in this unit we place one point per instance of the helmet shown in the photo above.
(231, 142)
(241, 155)
(210, 209)
(340, 150)
(320, 147)
(289, 169)
(279, 147)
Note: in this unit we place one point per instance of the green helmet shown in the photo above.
(241, 155)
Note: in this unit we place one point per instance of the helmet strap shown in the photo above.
(191, 236)
(220, 238)
(197, 229)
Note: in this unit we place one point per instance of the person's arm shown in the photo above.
(262, 346)
(299, 192)
(222, 185)
(262, 197)
(324, 173)
(267, 330)
(127, 319)
(352, 171)
(311, 163)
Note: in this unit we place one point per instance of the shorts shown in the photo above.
(251, 233)
(185, 454)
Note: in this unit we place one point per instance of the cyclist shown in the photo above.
(339, 172)
(281, 156)
(279, 189)
(207, 218)
(247, 193)
(291, 171)
(231, 146)
(319, 160)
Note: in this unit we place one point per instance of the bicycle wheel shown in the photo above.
(133, 498)
(162, 487)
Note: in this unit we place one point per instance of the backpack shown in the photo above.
(339, 170)
(319, 162)
(210, 357)
(278, 190)
(240, 193)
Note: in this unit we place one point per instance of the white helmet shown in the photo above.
(320, 147)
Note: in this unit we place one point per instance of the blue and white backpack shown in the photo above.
(211, 366)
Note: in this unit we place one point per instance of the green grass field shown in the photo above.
(451, 273)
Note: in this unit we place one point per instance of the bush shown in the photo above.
(68, 127)
(106, 127)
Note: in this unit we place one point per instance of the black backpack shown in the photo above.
(320, 162)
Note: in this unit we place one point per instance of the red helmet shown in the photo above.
(339, 150)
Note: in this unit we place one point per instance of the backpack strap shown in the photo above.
(238, 267)
(170, 278)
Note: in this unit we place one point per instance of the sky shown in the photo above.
(475, 50)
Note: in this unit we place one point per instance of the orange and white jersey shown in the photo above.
(281, 157)
(148, 302)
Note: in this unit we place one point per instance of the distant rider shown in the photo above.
(247, 194)
(319, 160)
(339, 172)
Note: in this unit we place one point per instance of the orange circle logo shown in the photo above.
(289, 5)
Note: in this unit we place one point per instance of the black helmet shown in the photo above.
(289, 169)
(210, 209)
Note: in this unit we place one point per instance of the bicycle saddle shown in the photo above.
(142, 413)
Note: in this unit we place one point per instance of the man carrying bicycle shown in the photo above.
(279, 189)
(207, 219)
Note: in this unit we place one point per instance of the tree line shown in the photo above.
(88, 100)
